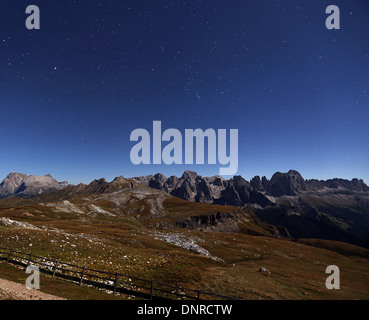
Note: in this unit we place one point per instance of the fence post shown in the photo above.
(82, 274)
(151, 289)
(9, 255)
(29, 259)
(115, 283)
(55, 266)
(198, 294)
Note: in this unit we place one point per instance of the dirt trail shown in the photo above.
(10, 290)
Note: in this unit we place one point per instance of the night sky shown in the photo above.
(72, 92)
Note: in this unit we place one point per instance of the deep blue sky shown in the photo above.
(72, 92)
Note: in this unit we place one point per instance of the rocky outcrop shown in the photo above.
(257, 183)
(217, 190)
(264, 270)
(286, 184)
(233, 222)
(226, 222)
(20, 184)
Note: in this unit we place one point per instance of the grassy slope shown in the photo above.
(296, 268)
(124, 243)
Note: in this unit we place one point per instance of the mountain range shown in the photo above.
(237, 191)
(148, 233)
(334, 209)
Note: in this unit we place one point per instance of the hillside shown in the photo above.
(148, 233)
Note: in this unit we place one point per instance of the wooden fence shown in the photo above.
(116, 282)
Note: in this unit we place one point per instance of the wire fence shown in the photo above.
(116, 282)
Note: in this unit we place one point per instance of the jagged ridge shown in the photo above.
(238, 191)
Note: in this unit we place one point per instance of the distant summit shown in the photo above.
(20, 184)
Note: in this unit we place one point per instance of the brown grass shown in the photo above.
(124, 243)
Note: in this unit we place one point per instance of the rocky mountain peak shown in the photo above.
(28, 185)
(288, 184)
(119, 179)
(189, 175)
(257, 184)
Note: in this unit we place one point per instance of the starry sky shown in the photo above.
(72, 92)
